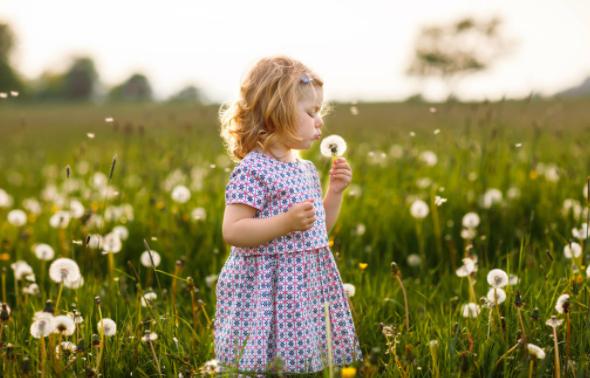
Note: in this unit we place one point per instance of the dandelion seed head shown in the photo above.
(333, 145)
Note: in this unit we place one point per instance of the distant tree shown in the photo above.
(449, 52)
(9, 78)
(136, 88)
(190, 93)
(80, 80)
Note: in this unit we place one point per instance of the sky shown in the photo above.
(360, 48)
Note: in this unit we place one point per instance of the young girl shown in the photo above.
(272, 289)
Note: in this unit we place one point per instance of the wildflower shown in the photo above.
(470, 310)
(582, 232)
(470, 220)
(148, 298)
(363, 266)
(496, 296)
(210, 367)
(5, 199)
(111, 243)
(513, 280)
(419, 209)
(60, 219)
(429, 158)
(572, 250)
(31, 289)
(333, 145)
(149, 336)
(43, 251)
(438, 200)
(348, 372)
(64, 269)
(497, 278)
(94, 241)
(562, 302)
(64, 325)
(43, 325)
(180, 194)
(349, 289)
(414, 260)
(535, 351)
(32, 206)
(199, 214)
(121, 232)
(22, 270)
(150, 259)
(74, 283)
(211, 279)
(554, 322)
(108, 326)
(469, 266)
(17, 217)
(360, 229)
(491, 197)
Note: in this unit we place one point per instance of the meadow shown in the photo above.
(462, 239)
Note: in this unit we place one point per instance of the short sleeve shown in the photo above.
(245, 186)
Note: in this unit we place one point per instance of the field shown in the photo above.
(504, 187)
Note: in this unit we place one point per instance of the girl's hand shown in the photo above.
(340, 175)
(301, 216)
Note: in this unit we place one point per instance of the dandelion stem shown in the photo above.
(156, 361)
(4, 285)
(406, 306)
(531, 367)
(61, 286)
(556, 354)
(101, 345)
(567, 336)
(43, 356)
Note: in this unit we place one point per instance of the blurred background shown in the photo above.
(132, 51)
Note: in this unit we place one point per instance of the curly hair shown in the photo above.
(265, 110)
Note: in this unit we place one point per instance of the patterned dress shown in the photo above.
(270, 309)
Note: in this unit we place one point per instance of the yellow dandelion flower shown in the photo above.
(579, 279)
(331, 242)
(533, 174)
(363, 266)
(348, 372)
(4, 256)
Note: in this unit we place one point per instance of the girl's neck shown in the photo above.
(282, 153)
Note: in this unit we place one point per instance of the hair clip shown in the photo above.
(305, 79)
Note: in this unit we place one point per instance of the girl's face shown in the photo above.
(309, 121)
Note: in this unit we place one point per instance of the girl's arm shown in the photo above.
(332, 202)
(241, 229)
(340, 177)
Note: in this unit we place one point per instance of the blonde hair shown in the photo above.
(265, 109)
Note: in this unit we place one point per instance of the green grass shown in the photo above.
(477, 149)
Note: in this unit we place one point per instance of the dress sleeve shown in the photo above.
(245, 186)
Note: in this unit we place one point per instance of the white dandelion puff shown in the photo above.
(470, 310)
(562, 300)
(414, 260)
(43, 251)
(148, 298)
(64, 325)
(22, 270)
(497, 278)
(64, 269)
(43, 325)
(109, 119)
(554, 322)
(419, 209)
(60, 219)
(150, 259)
(535, 351)
(17, 217)
(108, 326)
(572, 250)
(111, 243)
(429, 158)
(496, 296)
(149, 336)
(470, 220)
(199, 214)
(438, 200)
(180, 194)
(349, 289)
(211, 279)
(333, 145)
